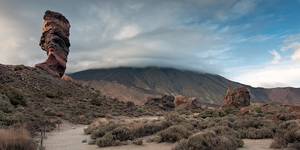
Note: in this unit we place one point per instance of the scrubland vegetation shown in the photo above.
(215, 128)
(16, 139)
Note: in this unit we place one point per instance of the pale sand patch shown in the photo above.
(261, 144)
(69, 137)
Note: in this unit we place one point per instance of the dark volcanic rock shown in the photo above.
(55, 41)
(239, 97)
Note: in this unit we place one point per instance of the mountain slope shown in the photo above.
(29, 95)
(127, 83)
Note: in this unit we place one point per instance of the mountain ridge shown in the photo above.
(161, 80)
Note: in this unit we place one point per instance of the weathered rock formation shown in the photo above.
(239, 97)
(55, 41)
(187, 102)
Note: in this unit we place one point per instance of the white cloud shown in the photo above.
(270, 75)
(276, 57)
(296, 55)
(281, 72)
(127, 32)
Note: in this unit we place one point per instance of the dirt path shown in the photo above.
(262, 144)
(69, 137)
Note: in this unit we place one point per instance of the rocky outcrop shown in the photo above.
(239, 97)
(187, 102)
(55, 41)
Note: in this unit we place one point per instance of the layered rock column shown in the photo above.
(55, 41)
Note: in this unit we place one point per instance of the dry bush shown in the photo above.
(138, 142)
(149, 128)
(106, 140)
(115, 134)
(101, 131)
(285, 116)
(287, 134)
(255, 127)
(256, 133)
(174, 133)
(122, 133)
(16, 139)
(217, 138)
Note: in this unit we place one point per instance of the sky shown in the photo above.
(255, 42)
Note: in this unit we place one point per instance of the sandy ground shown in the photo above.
(69, 137)
(261, 144)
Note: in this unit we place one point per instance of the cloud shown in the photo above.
(110, 33)
(282, 71)
(270, 76)
(296, 55)
(128, 31)
(276, 57)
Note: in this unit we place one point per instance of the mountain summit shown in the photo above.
(136, 84)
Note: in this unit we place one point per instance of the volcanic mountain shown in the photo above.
(136, 84)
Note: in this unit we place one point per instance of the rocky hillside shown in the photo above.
(136, 84)
(29, 95)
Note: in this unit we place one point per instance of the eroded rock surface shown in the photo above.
(55, 41)
(187, 102)
(239, 97)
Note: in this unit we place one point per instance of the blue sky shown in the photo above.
(256, 42)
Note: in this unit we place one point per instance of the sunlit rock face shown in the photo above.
(239, 97)
(55, 41)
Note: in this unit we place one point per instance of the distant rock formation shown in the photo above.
(239, 97)
(55, 41)
(187, 102)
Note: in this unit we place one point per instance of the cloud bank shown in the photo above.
(234, 38)
(111, 33)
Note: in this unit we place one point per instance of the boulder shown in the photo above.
(55, 41)
(238, 97)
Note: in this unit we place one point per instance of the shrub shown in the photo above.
(174, 118)
(15, 97)
(101, 131)
(16, 139)
(174, 133)
(182, 145)
(149, 128)
(288, 133)
(106, 140)
(285, 116)
(258, 109)
(138, 142)
(122, 133)
(217, 138)
(254, 133)
(255, 128)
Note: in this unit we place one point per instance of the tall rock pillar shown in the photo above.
(55, 41)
